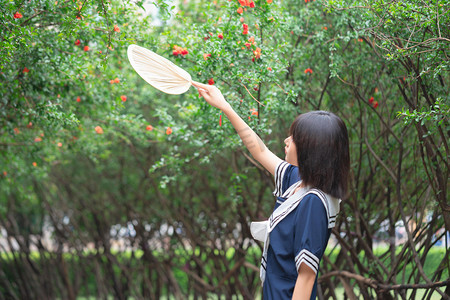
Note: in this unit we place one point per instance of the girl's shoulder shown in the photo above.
(285, 176)
(321, 204)
(313, 202)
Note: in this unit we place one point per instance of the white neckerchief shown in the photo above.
(261, 230)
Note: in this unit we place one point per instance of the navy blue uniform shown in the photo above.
(301, 237)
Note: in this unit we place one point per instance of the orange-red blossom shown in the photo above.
(245, 28)
(247, 3)
(177, 50)
(257, 53)
(99, 130)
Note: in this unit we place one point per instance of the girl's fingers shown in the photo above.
(201, 88)
(199, 85)
(201, 92)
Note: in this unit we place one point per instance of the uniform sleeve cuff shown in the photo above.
(309, 259)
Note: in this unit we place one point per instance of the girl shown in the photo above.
(309, 184)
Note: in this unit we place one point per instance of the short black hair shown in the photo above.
(321, 139)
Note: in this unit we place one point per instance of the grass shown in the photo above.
(434, 257)
(339, 293)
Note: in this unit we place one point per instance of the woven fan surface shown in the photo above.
(158, 71)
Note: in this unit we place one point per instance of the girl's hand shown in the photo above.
(212, 95)
(251, 140)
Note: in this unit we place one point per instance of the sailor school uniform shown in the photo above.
(297, 232)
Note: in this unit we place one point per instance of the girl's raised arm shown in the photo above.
(251, 140)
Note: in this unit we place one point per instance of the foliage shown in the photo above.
(96, 158)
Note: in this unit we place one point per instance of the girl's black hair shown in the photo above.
(321, 140)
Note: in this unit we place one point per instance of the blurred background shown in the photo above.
(110, 189)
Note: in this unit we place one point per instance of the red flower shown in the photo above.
(99, 130)
(308, 70)
(252, 4)
(38, 139)
(77, 42)
(124, 98)
(116, 28)
(244, 2)
(211, 81)
(241, 19)
(86, 48)
(269, 1)
(375, 104)
(257, 53)
(25, 70)
(240, 10)
(18, 15)
(177, 50)
(254, 112)
(116, 80)
(269, 68)
(220, 36)
(168, 130)
(371, 100)
(248, 45)
(78, 99)
(206, 55)
(245, 28)
(149, 128)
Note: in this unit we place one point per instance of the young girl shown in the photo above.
(309, 184)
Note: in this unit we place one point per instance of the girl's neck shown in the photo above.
(300, 186)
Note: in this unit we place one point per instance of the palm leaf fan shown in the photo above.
(158, 71)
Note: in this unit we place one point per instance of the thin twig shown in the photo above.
(250, 93)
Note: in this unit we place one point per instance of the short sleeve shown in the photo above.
(311, 232)
(285, 175)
